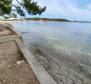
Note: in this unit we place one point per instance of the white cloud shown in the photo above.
(66, 8)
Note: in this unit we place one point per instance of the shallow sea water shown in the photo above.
(68, 36)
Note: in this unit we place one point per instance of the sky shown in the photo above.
(68, 9)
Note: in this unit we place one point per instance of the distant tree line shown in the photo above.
(47, 19)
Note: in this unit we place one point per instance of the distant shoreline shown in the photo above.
(8, 21)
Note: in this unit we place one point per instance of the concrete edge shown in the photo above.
(38, 69)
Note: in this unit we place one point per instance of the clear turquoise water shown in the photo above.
(71, 37)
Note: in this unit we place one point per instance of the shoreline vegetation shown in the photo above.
(44, 20)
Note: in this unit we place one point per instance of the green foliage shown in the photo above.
(20, 11)
(31, 7)
(5, 7)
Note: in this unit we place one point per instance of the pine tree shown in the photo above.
(22, 7)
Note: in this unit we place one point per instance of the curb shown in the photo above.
(38, 69)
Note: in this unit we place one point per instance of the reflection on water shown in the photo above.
(72, 37)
